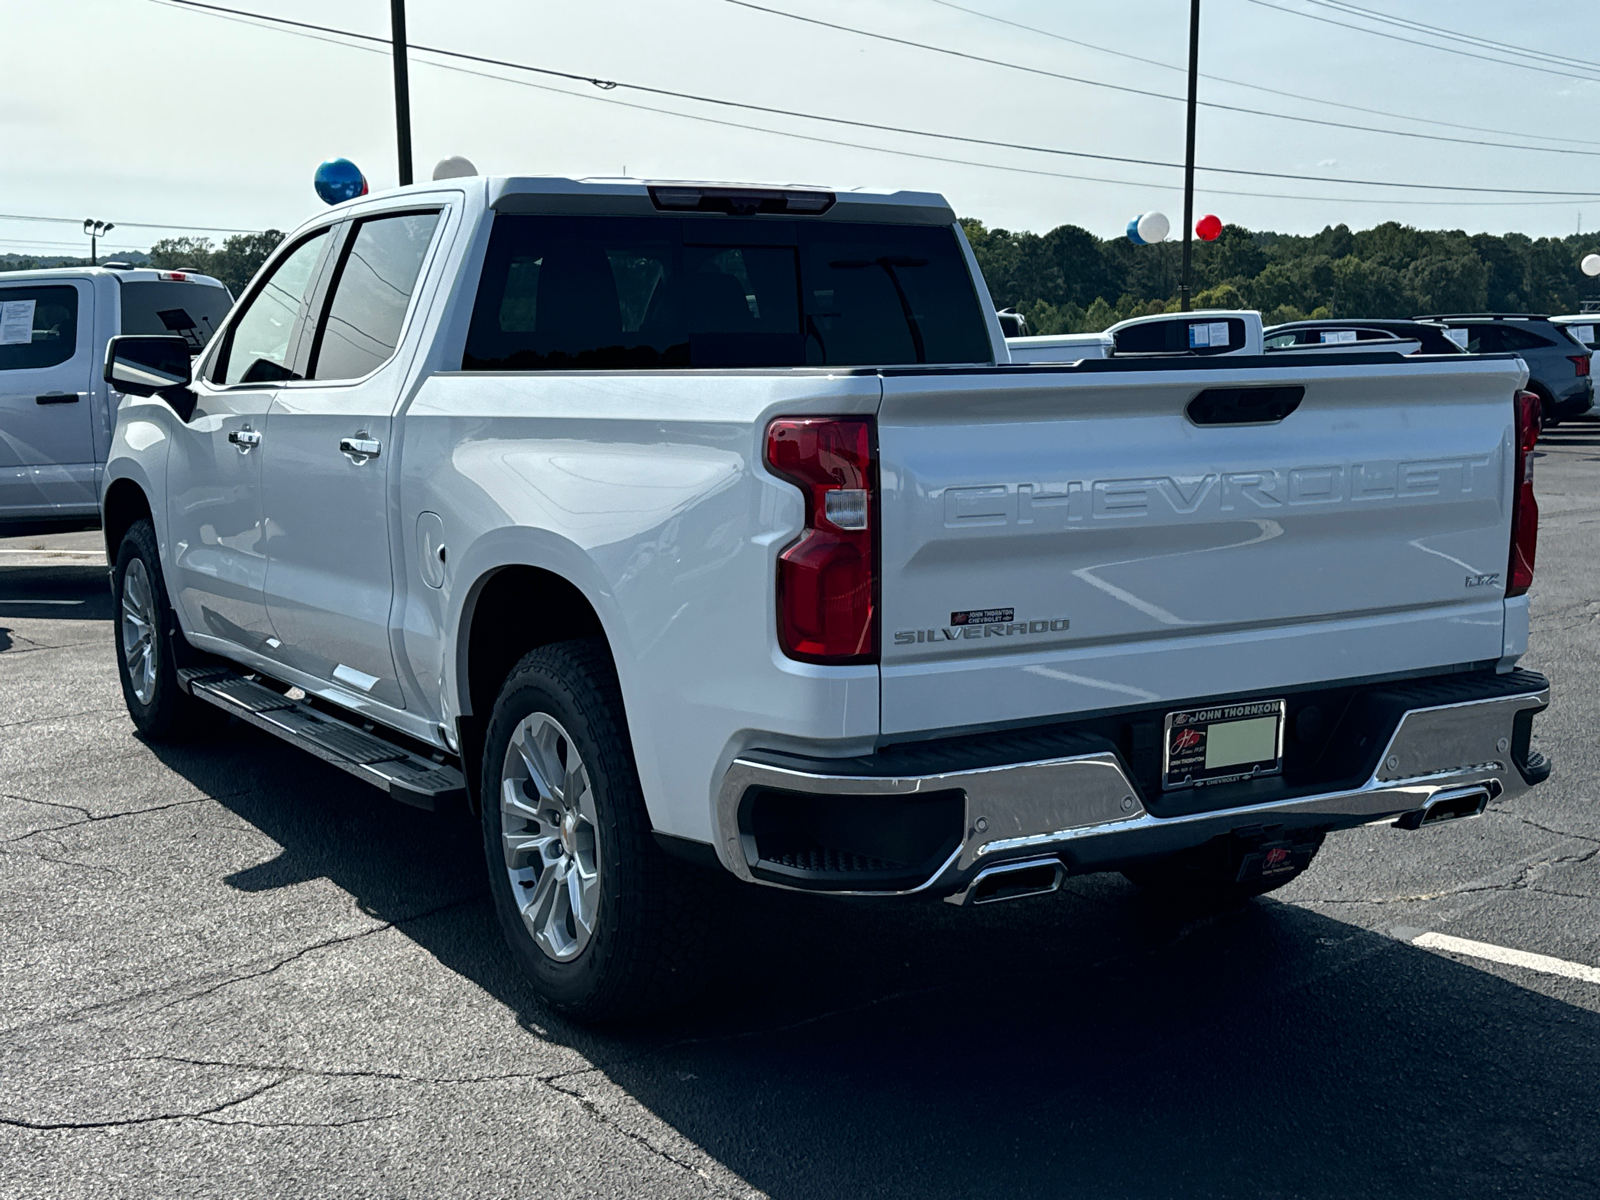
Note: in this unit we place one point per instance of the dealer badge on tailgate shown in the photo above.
(1223, 744)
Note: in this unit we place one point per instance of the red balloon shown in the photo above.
(1208, 228)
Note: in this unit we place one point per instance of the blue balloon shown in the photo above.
(1133, 232)
(338, 180)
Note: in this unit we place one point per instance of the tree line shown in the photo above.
(1070, 281)
(233, 262)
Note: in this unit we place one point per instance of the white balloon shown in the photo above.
(1591, 264)
(454, 167)
(1154, 227)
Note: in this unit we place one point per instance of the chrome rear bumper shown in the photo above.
(1084, 809)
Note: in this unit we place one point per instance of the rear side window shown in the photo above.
(591, 293)
(371, 293)
(192, 311)
(1521, 339)
(38, 326)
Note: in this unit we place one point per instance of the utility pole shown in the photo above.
(1188, 158)
(402, 88)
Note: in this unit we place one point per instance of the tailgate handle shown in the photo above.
(1244, 405)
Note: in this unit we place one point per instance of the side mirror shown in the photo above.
(147, 366)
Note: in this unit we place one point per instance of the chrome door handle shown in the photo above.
(244, 438)
(362, 447)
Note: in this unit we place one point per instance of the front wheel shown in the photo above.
(149, 644)
(602, 922)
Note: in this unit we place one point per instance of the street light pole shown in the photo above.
(402, 88)
(1188, 158)
(96, 230)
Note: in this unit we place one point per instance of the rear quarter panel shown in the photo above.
(647, 492)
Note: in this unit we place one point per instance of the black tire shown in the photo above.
(651, 930)
(160, 708)
(1547, 407)
(1223, 874)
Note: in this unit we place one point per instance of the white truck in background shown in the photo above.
(56, 411)
(686, 528)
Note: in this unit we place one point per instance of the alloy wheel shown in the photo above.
(548, 832)
(139, 624)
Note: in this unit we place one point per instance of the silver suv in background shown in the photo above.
(1558, 363)
(56, 413)
(1369, 333)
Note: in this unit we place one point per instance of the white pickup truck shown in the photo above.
(677, 527)
(56, 412)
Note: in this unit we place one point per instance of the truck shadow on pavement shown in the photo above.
(54, 593)
(1081, 1044)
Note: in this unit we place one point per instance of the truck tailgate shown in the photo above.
(1062, 541)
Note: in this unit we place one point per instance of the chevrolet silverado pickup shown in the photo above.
(677, 529)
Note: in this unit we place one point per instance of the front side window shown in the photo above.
(38, 326)
(371, 293)
(587, 293)
(262, 338)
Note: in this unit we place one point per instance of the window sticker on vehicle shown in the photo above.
(16, 323)
(1458, 336)
(1212, 333)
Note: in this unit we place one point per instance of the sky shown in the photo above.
(143, 113)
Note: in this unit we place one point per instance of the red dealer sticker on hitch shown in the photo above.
(1205, 746)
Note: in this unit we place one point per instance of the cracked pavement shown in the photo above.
(229, 970)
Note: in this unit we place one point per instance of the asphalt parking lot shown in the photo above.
(228, 970)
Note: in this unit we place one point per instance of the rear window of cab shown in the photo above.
(636, 293)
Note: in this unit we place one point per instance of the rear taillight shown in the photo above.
(827, 579)
(1524, 508)
(1580, 363)
(175, 276)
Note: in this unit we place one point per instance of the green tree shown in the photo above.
(1368, 289)
(240, 256)
(1454, 283)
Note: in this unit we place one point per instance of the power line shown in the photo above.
(1431, 45)
(1452, 35)
(1118, 87)
(610, 84)
(127, 224)
(1259, 87)
(920, 155)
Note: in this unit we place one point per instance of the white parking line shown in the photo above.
(58, 553)
(1513, 958)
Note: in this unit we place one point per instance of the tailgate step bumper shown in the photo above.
(409, 777)
(1449, 747)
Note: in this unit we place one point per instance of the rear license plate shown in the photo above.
(1223, 744)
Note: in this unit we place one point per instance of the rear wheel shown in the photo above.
(150, 644)
(1547, 407)
(1224, 873)
(604, 924)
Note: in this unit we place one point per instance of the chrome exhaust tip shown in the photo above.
(1452, 805)
(1012, 881)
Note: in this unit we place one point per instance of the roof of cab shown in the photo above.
(125, 274)
(623, 196)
